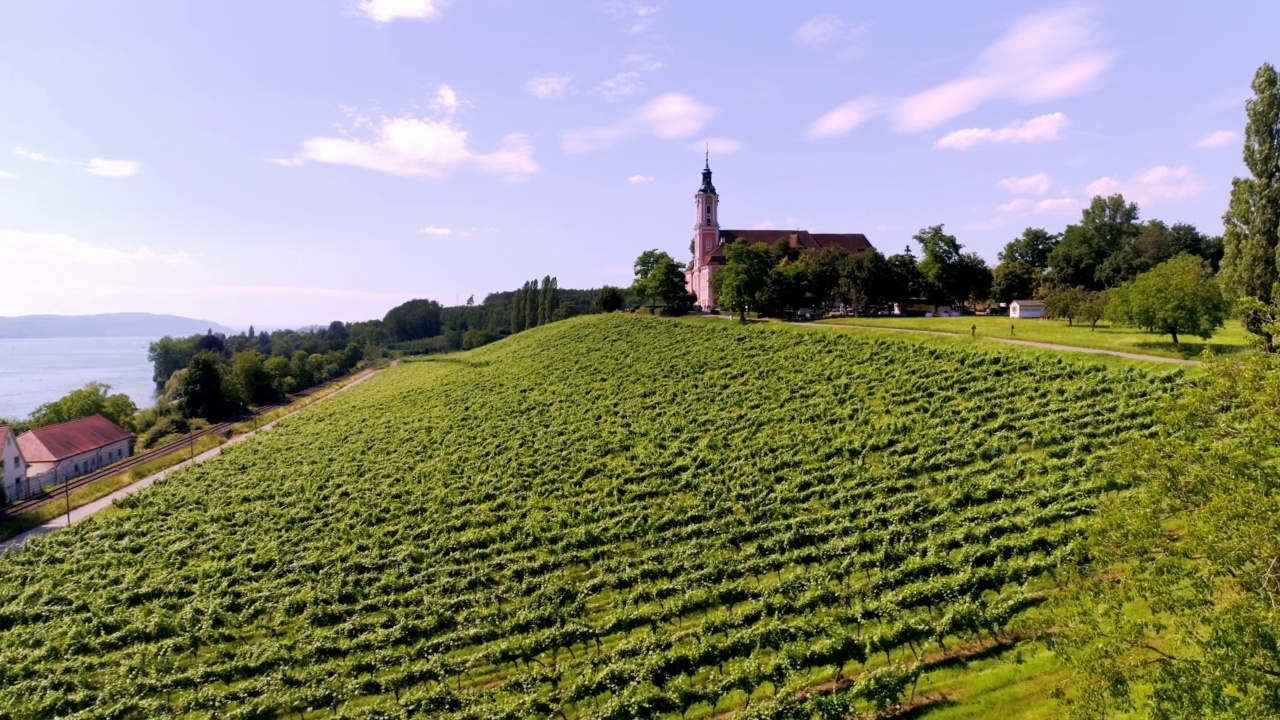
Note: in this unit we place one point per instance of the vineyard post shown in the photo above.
(66, 493)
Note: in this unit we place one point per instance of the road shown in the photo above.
(86, 511)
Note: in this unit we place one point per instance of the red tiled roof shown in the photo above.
(801, 239)
(58, 442)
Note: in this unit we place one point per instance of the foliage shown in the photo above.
(1094, 308)
(1032, 248)
(1191, 622)
(525, 531)
(951, 277)
(659, 279)
(1252, 219)
(93, 399)
(1066, 303)
(608, 299)
(207, 390)
(1178, 296)
(741, 284)
(413, 320)
(1014, 279)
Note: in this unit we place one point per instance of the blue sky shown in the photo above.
(298, 162)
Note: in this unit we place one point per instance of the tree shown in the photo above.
(1178, 296)
(169, 355)
(337, 331)
(1107, 226)
(951, 277)
(1179, 599)
(1014, 280)
(414, 320)
(659, 279)
(94, 398)
(744, 278)
(548, 300)
(1033, 247)
(206, 390)
(1252, 220)
(608, 299)
(1066, 302)
(531, 305)
(249, 372)
(864, 280)
(903, 281)
(1094, 308)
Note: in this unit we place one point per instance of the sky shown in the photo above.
(292, 163)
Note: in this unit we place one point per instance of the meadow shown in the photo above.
(1229, 340)
(607, 517)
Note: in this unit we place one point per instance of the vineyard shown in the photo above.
(607, 517)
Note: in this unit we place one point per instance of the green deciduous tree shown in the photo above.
(248, 370)
(1251, 238)
(1014, 279)
(1180, 602)
(1066, 302)
(951, 276)
(413, 320)
(744, 278)
(609, 299)
(659, 279)
(1178, 296)
(1033, 247)
(207, 391)
(92, 399)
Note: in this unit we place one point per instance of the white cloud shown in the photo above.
(764, 225)
(1016, 206)
(1217, 139)
(640, 179)
(58, 251)
(439, 231)
(1040, 129)
(112, 168)
(385, 11)
(637, 16)
(1151, 185)
(1048, 55)
(548, 87)
(445, 100)
(7, 175)
(620, 85)
(1037, 184)
(845, 117)
(287, 162)
(426, 147)
(829, 30)
(1053, 205)
(29, 155)
(718, 146)
(668, 117)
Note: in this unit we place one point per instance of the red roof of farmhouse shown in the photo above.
(68, 439)
(801, 239)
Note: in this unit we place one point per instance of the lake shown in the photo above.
(39, 370)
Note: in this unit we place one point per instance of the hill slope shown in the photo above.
(108, 325)
(611, 516)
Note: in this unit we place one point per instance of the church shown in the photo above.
(709, 240)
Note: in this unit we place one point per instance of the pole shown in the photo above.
(66, 492)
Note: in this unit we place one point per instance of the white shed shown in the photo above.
(1026, 309)
(13, 468)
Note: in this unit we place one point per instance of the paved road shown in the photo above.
(1011, 341)
(85, 511)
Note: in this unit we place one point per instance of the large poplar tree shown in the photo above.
(1252, 221)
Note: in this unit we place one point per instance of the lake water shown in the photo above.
(40, 370)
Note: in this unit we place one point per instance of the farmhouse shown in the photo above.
(709, 240)
(1026, 309)
(13, 468)
(57, 453)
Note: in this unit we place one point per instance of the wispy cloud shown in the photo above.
(718, 146)
(58, 250)
(636, 16)
(1037, 184)
(764, 225)
(548, 87)
(1022, 206)
(385, 11)
(7, 175)
(668, 117)
(1151, 185)
(37, 157)
(437, 231)
(831, 32)
(640, 179)
(620, 85)
(1046, 56)
(430, 147)
(1040, 129)
(1217, 139)
(112, 168)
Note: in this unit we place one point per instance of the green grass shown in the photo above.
(607, 517)
(1227, 341)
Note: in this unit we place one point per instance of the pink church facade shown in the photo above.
(709, 240)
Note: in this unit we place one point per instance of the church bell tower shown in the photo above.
(706, 229)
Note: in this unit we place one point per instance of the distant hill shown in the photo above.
(108, 325)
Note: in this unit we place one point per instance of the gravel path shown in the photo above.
(1011, 341)
(85, 511)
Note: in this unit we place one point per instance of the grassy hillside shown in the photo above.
(608, 517)
(1229, 340)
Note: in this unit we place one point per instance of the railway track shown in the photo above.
(172, 448)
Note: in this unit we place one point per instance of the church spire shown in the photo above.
(707, 187)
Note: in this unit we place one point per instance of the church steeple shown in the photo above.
(707, 187)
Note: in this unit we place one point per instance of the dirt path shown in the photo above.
(1011, 341)
(85, 511)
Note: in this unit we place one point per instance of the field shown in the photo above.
(1227, 341)
(607, 517)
